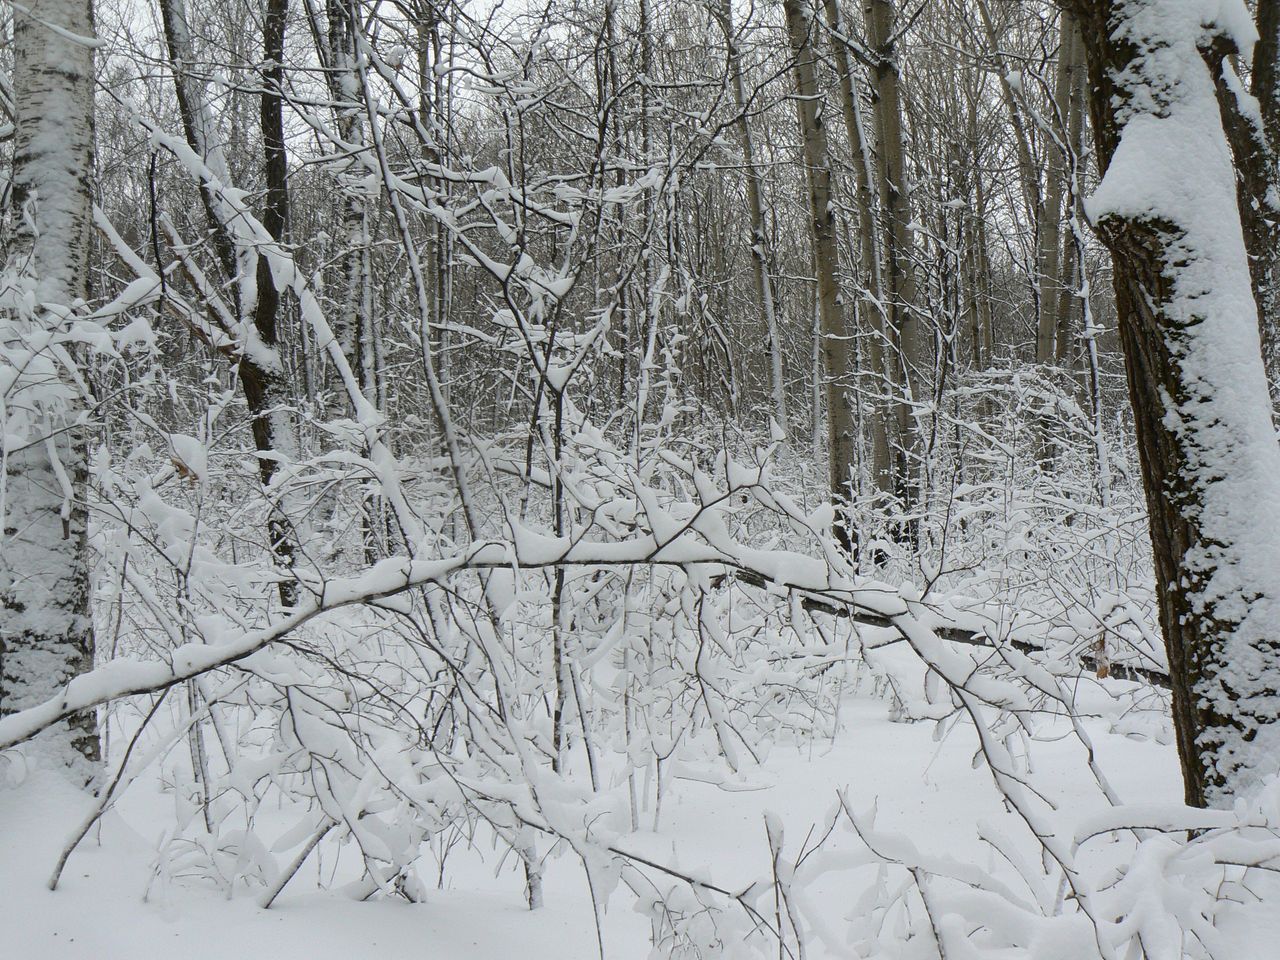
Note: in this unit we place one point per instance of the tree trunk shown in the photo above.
(1050, 280)
(1070, 271)
(983, 335)
(836, 345)
(46, 629)
(1255, 180)
(1168, 211)
(351, 326)
(198, 125)
(871, 310)
(261, 372)
(755, 208)
(264, 388)
(1260, 176)
(1028, 169)
(899, 285)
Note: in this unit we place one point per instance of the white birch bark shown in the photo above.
(46, 630)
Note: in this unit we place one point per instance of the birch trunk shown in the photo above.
(351, 326)
(46, 630)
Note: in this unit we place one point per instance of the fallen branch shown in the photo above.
(957, 634)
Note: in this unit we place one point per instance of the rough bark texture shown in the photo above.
(1209, 461)
(265, 388)
(1262, 217)
(46, 631)
(1255, 178)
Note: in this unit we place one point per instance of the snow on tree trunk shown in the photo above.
(261, 366)
(352, 323)
(265, 388)
(46, 632)
(1167, 209)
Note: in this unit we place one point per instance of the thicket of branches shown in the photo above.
(476, 420)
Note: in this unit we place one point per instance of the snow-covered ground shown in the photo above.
(111, 902)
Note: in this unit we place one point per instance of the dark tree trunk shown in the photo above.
(265, 389)
(1262, 224)
(261, 372)
(1205, 442)
(1256, 174)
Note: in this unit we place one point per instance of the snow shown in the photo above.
(608, 667)
(927, 802)
(1173, 169)
(102, 908)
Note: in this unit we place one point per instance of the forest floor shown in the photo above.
(110, 904)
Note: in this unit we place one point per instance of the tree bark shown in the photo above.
(1049, 263)
(1259, 178)
(265, 387)
(46, 630)
(261, 371)
(836, 344)
(1070, 275)
(351, 327)
(871, 312)
(897, 242)
(1210, 463)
